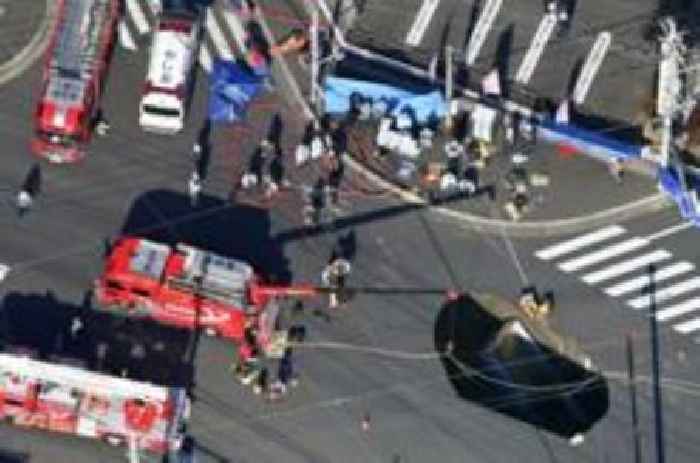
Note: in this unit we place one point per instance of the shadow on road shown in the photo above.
(498, 364)
(237, 231)
(44, 326)
(7, 456)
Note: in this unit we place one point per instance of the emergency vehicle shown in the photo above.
(189, 287)
(170, 72)
(76, 66)
(73, 400)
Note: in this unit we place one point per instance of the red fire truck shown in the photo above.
(76, 65)
(73, 400)
(189, 287)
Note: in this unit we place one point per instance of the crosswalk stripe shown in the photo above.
(537, 46)
(588, 239)
(604, 254)
(217, 36)
(687, 327)
(138, 16)
(626, 266)
(669, 292)
(683, 308)
(421, 22)
(125, 38)
(205, 60)
(640, 282)
(236, 29)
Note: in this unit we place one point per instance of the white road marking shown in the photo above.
(534, 53)
(236, 28)
(481, 30)
(591, 67)
(640, 282)
(566, 247)
(670, 231)
(669, 292)
(626, 266)
(139, 17)
(205, 60)
(125, 38)
(4, 270)
(687, 327)
(682, 308)
(420, 24)
(604, 254)
(217, 36)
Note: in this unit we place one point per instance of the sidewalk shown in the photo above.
(581, 192)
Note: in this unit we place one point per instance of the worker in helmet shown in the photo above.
(334, 276)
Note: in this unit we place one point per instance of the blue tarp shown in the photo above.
(670, 183)
(232, 86)
(339, 92)
(589, 142)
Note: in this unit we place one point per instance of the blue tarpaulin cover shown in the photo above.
(590, 142)
(669, 181)
(232, 86)
(339, 91)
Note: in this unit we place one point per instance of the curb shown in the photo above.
(544, 228)
(32, 51)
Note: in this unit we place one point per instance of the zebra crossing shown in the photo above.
(618, 264)
(224, 36)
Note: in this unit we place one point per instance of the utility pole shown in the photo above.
(656, 369)
(314, 56)
(449, 85)
(669, 86)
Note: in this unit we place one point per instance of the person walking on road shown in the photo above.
(24, 202)
(195, 187)
(334, 276)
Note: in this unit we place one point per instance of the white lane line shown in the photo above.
(236, 28)
(566, 247)
(682, 308)
(640, 282)
(687, 327)
(670, 231)
(217, 36)
(4, 270)
(604, 254)
(205, 60)
(669, 292)
(139, 17)
(125, 38)
(421, 22)
(534, 53)
(626, 266)
(591, 67)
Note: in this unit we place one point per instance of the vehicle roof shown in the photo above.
(76, 48)
(171, 56)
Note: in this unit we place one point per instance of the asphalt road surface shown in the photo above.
(621, 89)
(132, 179)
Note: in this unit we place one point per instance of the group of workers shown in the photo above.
(251, 369)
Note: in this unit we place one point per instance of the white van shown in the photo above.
(170, 72)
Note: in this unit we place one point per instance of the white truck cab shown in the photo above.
(170, 72)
